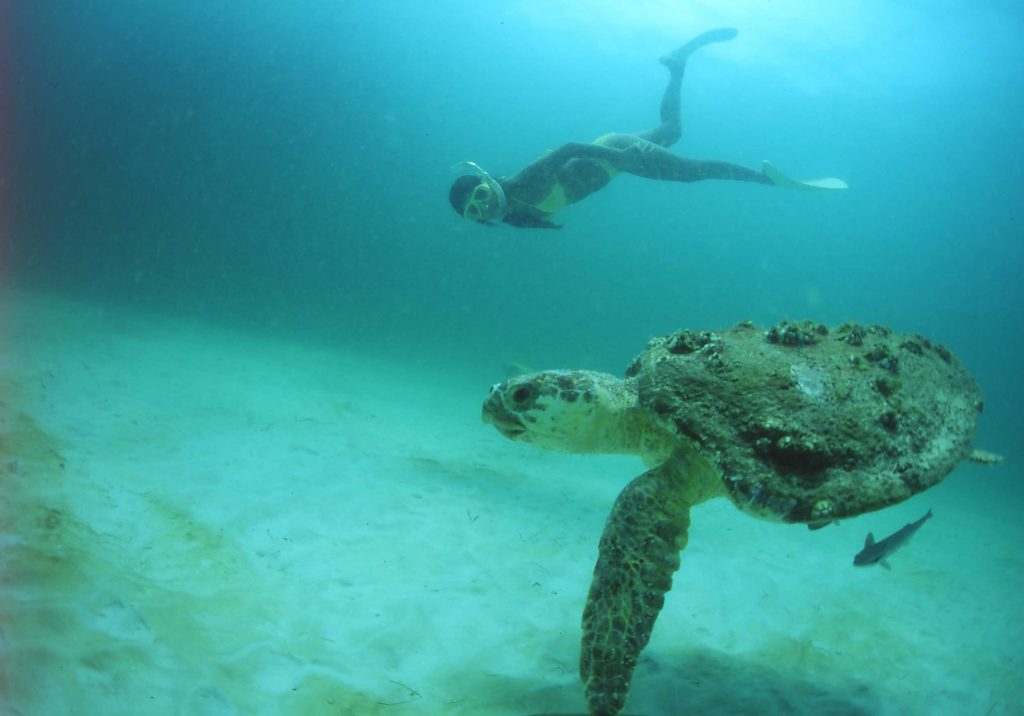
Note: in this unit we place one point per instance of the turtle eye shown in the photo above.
(522, 394)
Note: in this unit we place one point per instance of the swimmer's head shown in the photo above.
(478, 198)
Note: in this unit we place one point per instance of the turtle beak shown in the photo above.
(494, 413)
(510, 430)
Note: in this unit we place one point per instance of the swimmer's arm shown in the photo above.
(554, 160)
(582, 150)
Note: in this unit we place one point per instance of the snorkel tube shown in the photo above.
(491, 182)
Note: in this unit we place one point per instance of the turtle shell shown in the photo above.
(808, 424)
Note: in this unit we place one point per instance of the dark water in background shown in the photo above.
(285, 166)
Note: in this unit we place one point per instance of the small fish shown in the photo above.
(877, 552)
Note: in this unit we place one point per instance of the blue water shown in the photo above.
(287, 167)
(284, 167)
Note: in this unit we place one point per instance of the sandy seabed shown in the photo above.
(200, 521)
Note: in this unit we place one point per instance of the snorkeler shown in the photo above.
(575, 170)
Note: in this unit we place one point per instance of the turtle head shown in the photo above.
(566, 410)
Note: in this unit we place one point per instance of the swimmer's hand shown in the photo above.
(634, 158)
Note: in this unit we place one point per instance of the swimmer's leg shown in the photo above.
(665, 166)
(670, 129)
(688, 170)
(644, 158)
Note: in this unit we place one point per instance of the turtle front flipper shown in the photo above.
(985, 457)
(638, 553)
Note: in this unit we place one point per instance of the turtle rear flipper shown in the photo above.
(638, 553)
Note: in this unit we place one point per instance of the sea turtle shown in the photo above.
(797, 423)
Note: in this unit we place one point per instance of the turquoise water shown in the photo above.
(281, 169)
(288, 168)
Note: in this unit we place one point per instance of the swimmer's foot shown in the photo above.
(676, 61)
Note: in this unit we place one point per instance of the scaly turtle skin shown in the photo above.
(798, 423)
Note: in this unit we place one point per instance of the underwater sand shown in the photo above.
(199, 521)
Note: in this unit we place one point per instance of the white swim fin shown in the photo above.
(676, 60)
(780, 179)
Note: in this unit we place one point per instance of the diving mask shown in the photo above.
(487, 200)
